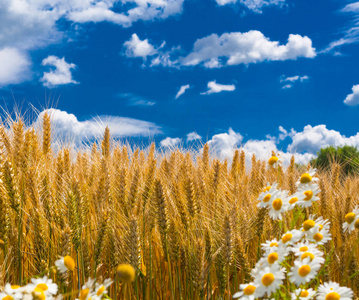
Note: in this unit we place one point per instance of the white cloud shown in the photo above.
(351, 33)
(304, 145)
(254, 5)
(243, 48)
(353, 98)
(312, 139)
(193, 136)
(287, 86)
(170, 142)
(292, 80)
(60, 75)
(15, 66)
(214, 87)
(33, 24)
(136, 100)
(137, 48)
(67, 127)
(223, 144)
(182, 90)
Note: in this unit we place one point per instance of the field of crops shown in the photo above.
(189, 224)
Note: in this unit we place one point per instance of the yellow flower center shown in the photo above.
(277, 204)
(249, 290)
(267, 198)
(272, 258)
(308, 224)
(350, 217)
(266, 189)
(318, 237)
(274, 244)
(304, 293)
(69, 263)
(332, 296)
(267, 279)
(305, 178)
(42, 286)
(356, 224)
(307, 254)
(286, 238)
(272, 160)
(84, 293)
(38, 294)
(303, 249)
(308, 195)
(7, 297)
(100, 291)
(126, 273)
(304, 270)
(15, 287)
(293, 200)
(320, 227)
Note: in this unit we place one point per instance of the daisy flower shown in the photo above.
(100, 289)
(303, 294)
(274, 160)
(268, 280)
(303, 247)
(274, 256)
(293, 201)
(333, 291)
(291, 237)
(351, 220)
(307, 177)
(319, 236)
(307, 195)
(247, 291)
(304, 271)
(315, 255)
(278, 205)
(65, 263)
(87, 291)
(265, 199)
(11, 292)
(44, 284)
(270, 245)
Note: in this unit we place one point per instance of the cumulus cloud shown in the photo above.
(60, 75)
(304, 144)
(254, 5)
(182, 90)
(214, 87)
(137, 48)
(68, 128)
(193, 136)
(170, 142)
(353, 98)
(33, 24)
(223, 144)
(15, 66)
(312, 139)
(244, 48)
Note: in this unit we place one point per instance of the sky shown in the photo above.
(260, 75)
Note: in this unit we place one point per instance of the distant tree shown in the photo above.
(347, 157)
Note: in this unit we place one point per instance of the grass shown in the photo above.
(188, 224)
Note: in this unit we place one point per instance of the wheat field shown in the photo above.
(187, 222)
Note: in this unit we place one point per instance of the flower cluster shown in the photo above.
(298, 254)
(45, 289)
(279, 201)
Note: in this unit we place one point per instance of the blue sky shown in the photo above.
(246, 67)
